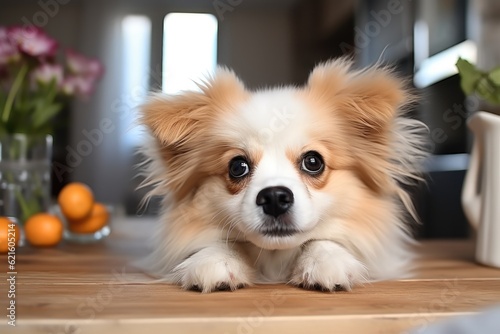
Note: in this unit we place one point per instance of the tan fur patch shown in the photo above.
(361, 107)
(182, 126)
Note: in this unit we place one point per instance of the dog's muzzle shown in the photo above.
(275, 201)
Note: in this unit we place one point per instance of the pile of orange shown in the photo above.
(41, 229)
(77, 204)
(84, 215)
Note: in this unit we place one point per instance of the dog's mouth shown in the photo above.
(279, 232)
(278, 227)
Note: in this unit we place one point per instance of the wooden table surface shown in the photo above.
(93, 289)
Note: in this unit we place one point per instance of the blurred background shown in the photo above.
(163, 44)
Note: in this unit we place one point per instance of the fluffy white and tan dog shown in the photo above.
(299, 185)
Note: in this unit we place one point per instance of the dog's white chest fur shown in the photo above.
(273, 265)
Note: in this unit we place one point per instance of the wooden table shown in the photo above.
(91, 289)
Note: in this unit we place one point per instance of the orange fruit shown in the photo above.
(7, 232)
(43, 229)
(97, 219)
(76, 200)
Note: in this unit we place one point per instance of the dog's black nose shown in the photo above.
(275, 201)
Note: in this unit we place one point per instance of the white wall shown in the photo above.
(258, 46)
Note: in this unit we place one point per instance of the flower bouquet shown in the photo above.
(34, 87)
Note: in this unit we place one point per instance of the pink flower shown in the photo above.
(32, 41)
(83, 66)
(8, 51)
(46, 73)
(78, 85)
(85, 71)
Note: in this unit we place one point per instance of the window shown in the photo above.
(136, 41)
(189, 50)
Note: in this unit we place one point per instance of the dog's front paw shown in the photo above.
(326, 266)
(213, 269)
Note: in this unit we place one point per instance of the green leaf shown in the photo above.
(3, 97)
(52, 90)
(14, 90)
(494, 76)
(32, 207)
(45, 113)
(487, 90)
(469, 75)
(48, 90)
(26, 106)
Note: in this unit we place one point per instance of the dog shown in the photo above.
(301, 185)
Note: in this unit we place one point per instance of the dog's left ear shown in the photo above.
(367, 103)
(368, 98)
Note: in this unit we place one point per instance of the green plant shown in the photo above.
(486, 85)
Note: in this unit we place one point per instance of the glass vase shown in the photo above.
(25, 183)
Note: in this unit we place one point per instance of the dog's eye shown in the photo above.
(312, 163)
(238, 167)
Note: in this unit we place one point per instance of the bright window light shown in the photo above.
(421, 42)
(189, 50)
(442, 65)
(136, 41)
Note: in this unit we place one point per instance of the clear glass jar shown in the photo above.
(25, 174)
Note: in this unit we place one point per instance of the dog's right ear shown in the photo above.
(177, 120)
(181, 125)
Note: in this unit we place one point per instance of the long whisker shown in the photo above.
(258, 256)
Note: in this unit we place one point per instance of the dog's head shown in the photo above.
(273, 165)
